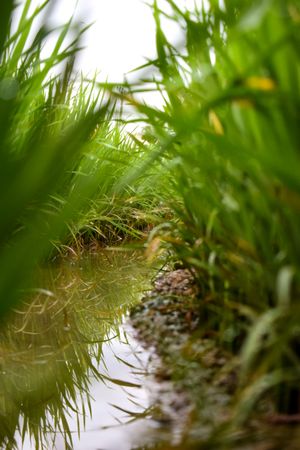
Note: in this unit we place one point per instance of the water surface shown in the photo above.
(72, 376)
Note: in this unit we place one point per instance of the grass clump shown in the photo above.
(229, 136)
(60, 150)
(218, 171)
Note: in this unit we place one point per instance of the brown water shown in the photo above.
(72, 375)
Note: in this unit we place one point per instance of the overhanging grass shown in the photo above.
(229, 136)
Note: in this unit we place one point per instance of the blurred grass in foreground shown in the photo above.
(229, 138)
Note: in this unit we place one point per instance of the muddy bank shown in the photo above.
(202, 375)
(198, 381)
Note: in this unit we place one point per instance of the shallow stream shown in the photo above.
(72, 374)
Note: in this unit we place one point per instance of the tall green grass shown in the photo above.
(229, 136)
(222, 163)
(41, 142)
(60, 150)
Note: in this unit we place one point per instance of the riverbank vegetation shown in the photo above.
(215, 183)
(229, 135)
(62, 155)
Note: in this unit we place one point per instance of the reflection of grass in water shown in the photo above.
(51, 344)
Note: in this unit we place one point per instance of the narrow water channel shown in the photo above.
(72, 375)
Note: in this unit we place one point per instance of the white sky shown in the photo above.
(123, 32)
(122, 37)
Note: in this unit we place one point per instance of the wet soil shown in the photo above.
(197, 380)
